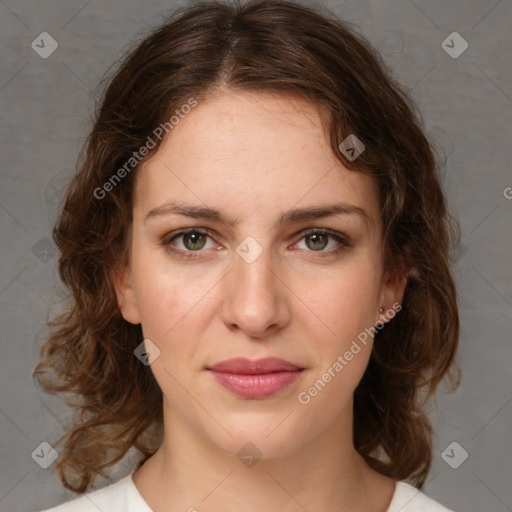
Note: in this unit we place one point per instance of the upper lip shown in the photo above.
(246, 366)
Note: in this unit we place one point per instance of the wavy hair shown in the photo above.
(275, 46)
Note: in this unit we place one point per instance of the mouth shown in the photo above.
(255, 379)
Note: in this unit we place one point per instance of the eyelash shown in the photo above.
(166, 242)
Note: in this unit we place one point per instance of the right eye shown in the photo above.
(193, 240)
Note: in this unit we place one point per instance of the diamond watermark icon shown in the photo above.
(249, 250)
(45, 455)
(454, 455)
(146, 352)
(249, 455)
(44, 249)
(458, 252)
(44, 45)
(351, 147)
(454, 45)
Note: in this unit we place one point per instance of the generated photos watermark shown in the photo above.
(305, 397)
(137, 156)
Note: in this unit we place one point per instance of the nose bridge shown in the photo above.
(253, 270)
(255, 301)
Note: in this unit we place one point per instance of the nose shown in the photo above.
(256, 298)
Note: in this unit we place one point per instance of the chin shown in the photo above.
(266, 437)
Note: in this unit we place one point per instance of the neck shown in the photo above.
(189, 472)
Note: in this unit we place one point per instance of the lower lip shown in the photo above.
(256, 386)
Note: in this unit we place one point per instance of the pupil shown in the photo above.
(195, 244)
(317, 239)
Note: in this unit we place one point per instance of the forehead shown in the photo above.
(250, 153)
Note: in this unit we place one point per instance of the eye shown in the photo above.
(316, 240)
(193, 240)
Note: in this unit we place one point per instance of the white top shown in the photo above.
(123, 496)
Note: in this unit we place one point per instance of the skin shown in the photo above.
(254, 156)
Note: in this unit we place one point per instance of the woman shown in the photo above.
(257, 249)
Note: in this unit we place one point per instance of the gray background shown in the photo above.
(466, 103)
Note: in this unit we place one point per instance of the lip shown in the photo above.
(255, 379)
(241, 365)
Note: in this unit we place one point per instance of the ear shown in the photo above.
(392, 290)
(126, 295)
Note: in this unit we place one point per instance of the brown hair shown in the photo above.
(275, 46)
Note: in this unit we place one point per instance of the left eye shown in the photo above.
(318, 240)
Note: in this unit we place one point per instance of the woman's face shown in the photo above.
(252, 172)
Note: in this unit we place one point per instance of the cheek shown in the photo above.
(170, 315)
(341, 359)
(166, 296)
(174, 311)
(345, 303)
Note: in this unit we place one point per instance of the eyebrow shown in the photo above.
(290, 217)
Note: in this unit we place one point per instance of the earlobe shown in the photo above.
(126, 295)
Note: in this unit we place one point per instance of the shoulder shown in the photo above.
(113, 496)
(409, 499)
